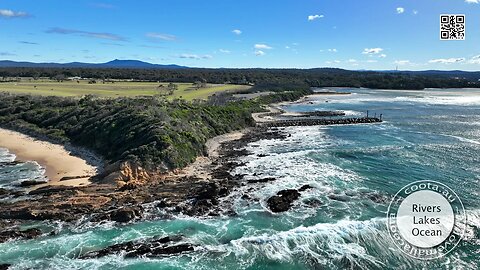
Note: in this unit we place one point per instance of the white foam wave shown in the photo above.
(6, 156)
(429, 98)
(326, 243)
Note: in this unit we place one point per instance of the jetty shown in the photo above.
(318, 113)
(319, 122)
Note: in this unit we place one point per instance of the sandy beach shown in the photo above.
(57, 161)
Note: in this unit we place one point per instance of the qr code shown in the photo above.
(452, 27)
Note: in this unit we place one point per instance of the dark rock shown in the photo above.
(126, 214)
(128, 186)
(178, 209)
(51, 190)
(3, 191)
(18, 193)
(246, 197)
(5, 266)
(208, 191)
(263, 180)
(200, 208)
(65, 178)
(123, 215)
(263, 155)
(172, 250)
(163, 204)
(17, 234)
(29, 183)
(283, 200)
(152, 248)
(21, 213)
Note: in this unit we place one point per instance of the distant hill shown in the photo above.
(136, 64)
(112, 64)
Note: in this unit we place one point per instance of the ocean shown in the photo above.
(339, 224)
(13, 173)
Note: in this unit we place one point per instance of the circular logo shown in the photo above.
(426, 219)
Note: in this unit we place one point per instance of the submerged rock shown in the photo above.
(341, 197)
(5, 266)
(305, 187)
(378, 198)
(283, 200)
(263, 180)
(313, 202)
(152, 248)
(18, 234)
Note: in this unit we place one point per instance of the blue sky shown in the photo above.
(351, 34)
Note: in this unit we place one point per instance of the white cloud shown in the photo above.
(415, 12)
(474, 60)
(12, 14)
(402, 62)
(224, 51)
(314, 17)
(473, 1)
(333, 62)
(259, 53)
(400, 10)
(165, 37)
(447, 60)
(262, 47)
(195, 56)
(237, 32)
(64, 31)
(371, 51)
(382, 55)
(332, 50)
(372, 61)
(287, 47)
(352, 61)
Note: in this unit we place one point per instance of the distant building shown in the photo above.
(74, 78)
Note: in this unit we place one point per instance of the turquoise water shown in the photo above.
(427, 135)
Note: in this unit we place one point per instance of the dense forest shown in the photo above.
(150, 131)
(323, 77)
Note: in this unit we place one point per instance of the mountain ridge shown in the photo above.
(111, 64)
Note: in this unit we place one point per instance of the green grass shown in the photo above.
(118, 89)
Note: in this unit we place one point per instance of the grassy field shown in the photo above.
(118, 89)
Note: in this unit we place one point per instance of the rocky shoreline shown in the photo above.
(195, 191)
(161, 197)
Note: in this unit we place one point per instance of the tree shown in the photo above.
(171, 88)
(200, 84)
(60, 77)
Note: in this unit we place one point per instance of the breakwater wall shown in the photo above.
(320, 122)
